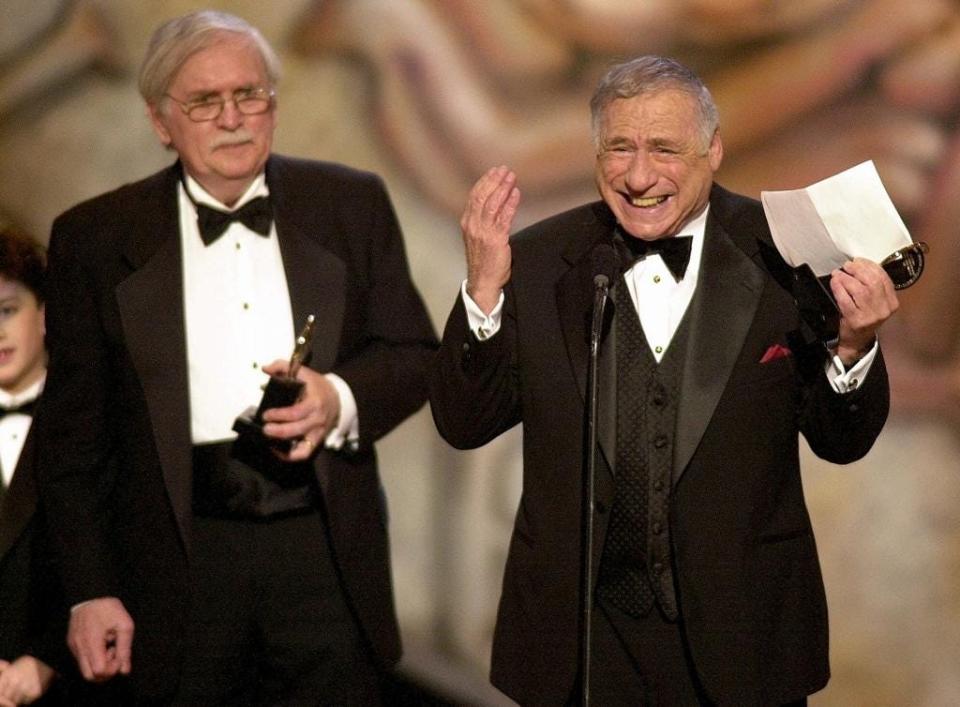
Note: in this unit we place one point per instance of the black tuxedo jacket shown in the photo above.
(746, 568)
(32, 617)
(114, 436)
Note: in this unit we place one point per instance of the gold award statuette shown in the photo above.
(280, 391)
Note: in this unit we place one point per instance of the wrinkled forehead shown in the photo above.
(667, 113)
(225, 56)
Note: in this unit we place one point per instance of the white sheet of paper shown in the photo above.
(845, 216)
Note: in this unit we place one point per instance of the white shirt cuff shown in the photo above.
(842, 380)
(348, 424)
(483, 325)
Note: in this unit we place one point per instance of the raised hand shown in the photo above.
(485, 226)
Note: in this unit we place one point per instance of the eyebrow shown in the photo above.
(205, 95)
(617, 141)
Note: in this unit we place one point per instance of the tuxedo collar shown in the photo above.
(150, 300)
(728, 292)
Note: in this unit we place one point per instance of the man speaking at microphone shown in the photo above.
(707, 587)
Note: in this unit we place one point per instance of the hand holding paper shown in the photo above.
(846, 216)
(844, 232)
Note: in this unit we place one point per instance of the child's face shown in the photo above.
(22, 355)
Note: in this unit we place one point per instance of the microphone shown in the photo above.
(606, 265)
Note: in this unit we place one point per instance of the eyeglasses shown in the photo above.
(906, 265)
(249, 101)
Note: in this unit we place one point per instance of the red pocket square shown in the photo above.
(774, 352)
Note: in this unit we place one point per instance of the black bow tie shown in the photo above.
(257, 215)
(25, 408)
(674, 250)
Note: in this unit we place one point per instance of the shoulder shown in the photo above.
(319, 178)
(738, 213)
(111, 216)
(745, 223)
(126, 198)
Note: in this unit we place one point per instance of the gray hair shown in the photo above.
(178, 39)
(650, 74)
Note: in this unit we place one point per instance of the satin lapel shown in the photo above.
(19, 500)
(722, 310)
(316, 279)
(574, 295)
(150, 300)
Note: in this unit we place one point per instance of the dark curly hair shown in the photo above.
(23, 260)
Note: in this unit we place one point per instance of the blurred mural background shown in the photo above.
(429, 93)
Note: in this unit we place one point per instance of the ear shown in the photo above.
(158, 120)
(715, 153)
(43, 319)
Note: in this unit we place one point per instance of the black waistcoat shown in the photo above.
(636, 569)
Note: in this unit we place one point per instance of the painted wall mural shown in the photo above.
(429, 93)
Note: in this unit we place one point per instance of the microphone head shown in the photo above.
(601, 281)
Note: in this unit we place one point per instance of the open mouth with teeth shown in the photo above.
(646, 202)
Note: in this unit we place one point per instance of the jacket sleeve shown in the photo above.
(74, 446)
(388, 358)
(474, 386)
(842, 427)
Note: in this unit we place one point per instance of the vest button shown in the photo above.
(657, 568)
(658, 485)
(660, 442)
(657, 529)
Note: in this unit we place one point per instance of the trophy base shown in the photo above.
(280, 392)
(249, 426)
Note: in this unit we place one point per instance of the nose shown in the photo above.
(230, 117)
(641, 173)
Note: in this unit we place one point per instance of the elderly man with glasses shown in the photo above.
(203, 567)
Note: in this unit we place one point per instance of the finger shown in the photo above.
(488, 184)
(841, 296)
(123, 649)
(82, 658)
(487, 197)
(842, 286)
(289, 413)
(302, 450)
(276, 368)
(494, 203)
(509, 210)
(870, 287)
(287, 430)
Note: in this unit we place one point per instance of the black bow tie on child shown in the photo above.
(257, 215)
(25, 408)
(674, 250)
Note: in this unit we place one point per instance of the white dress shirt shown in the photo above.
(14, 427)
(238, 319)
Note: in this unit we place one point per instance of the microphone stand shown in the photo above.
(601, 284)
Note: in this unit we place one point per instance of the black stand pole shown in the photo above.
(601, 285)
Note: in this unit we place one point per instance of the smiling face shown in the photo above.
(23, 358)
(653, 169)
(224, 154)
